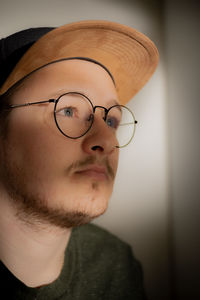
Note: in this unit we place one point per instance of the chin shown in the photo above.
(89, 204)
(92, 198)
(77, 215)
(69, 211)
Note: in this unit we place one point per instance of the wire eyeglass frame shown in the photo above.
(55, 101)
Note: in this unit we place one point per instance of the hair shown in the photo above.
(4, 114)
(5, 101)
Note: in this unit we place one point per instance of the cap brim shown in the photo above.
(129, 55)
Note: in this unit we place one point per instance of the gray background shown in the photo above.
(155, 204)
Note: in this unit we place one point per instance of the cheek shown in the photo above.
(115, 160)
(40, 149)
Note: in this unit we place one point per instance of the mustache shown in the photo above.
(89, 161)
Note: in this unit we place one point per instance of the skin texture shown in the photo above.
(40, 165)
(47, 181)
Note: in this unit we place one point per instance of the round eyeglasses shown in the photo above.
(74, 115)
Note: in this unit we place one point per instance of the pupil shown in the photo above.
(110, 122)
(68, 112)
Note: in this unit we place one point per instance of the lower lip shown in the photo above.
(93, 174)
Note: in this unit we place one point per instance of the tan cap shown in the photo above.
(129, 55)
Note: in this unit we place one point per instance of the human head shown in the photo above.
(40, 167)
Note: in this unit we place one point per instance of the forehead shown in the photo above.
(71, 75)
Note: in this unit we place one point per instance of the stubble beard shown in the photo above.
(33, 209)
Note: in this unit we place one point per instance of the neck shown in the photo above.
(34, 254)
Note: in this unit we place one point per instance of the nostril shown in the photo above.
(95, 148)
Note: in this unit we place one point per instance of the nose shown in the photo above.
(100, 139)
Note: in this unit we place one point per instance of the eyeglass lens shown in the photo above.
(74, 117)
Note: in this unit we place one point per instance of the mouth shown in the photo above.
(94, 172)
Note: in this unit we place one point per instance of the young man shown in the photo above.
(62, 122)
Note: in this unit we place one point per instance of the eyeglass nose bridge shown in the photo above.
(105, 110)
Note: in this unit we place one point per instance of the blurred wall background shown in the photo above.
(155, 204)
(182, 54)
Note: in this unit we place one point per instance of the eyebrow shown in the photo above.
(58, 93)
(61, 92)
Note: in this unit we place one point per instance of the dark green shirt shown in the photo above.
(97, 266)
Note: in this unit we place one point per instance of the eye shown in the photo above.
(68, 112)
(112, 122)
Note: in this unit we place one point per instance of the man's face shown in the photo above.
(49, 177)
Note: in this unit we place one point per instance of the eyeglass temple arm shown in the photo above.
(32, 103)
